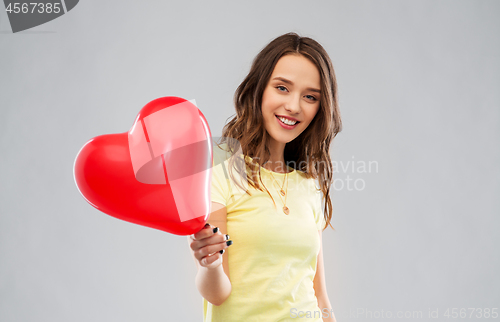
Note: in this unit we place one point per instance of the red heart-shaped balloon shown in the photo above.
(158, 174)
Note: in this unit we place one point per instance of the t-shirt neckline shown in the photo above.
(293, 171)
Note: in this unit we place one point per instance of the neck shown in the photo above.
(277, 161)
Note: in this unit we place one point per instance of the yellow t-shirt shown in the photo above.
(272, 262)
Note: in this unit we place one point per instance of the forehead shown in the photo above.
(298, 69)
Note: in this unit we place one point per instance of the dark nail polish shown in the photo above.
(221, 251)
(216, 229)
(227, 237)
(207, 225)
(229, 242)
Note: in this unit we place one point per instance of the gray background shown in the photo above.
(418, 84)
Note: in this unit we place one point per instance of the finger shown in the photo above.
(201, 233)
(207, 231)
(207, 260)
(211, 249)
(214, 239)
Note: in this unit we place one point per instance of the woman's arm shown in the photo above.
(212, 278)
(320, 286)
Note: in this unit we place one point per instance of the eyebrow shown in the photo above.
(284, 80)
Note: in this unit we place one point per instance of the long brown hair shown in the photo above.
(310, 151)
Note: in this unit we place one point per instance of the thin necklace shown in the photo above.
(283, 193)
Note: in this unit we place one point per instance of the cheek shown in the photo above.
(266, 106)
(315, 113)
(311, 116)
(269, 99)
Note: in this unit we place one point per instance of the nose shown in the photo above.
(293, 105)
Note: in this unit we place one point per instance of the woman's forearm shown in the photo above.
(326, 309)
(213, 284)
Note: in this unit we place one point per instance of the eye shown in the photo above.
(311, 97)
(281, 88)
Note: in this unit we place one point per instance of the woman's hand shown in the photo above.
(208, 245)
(212, 278)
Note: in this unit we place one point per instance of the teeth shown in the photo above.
(286, 121)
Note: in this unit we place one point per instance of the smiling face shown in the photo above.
(290, 100)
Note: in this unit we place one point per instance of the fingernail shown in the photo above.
(229, 242)
(227, 237)
(207, 225)
(216, 229)
(221, 251)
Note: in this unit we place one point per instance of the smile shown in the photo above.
(286, 123)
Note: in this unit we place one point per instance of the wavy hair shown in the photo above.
(310, 151)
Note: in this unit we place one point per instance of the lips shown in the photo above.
(288, 118)
(286, 126)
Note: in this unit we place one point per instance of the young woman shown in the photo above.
(271, 267)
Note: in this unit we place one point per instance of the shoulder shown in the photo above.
(305, 177)
(220, 153)
(304, 183)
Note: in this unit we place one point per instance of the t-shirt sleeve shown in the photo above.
(318, 208)
(220, 184)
